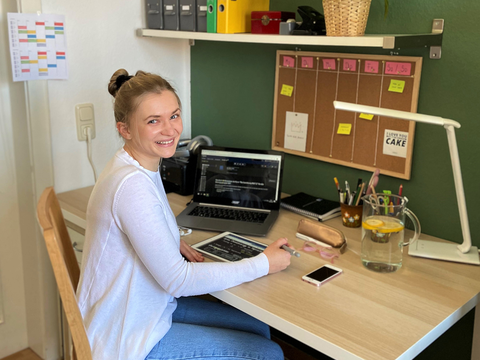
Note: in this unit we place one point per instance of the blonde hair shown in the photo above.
(128, 91)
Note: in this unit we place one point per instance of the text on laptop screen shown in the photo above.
(244, 179)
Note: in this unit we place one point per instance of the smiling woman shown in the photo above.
(135, 265)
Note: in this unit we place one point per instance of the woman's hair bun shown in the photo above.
(118, 78)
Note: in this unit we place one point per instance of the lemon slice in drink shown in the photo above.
(391, 226)
(372, 224)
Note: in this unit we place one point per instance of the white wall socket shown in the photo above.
(85, 117)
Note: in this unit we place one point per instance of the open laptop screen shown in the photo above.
(237, 177)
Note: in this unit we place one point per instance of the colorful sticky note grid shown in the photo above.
(366, 116)
(307, 62)
(288, 61)
(371, 67)
(329, 64)
(349, 65)
(396, 86)
(344, 129)
(287, 90)
(398, 68)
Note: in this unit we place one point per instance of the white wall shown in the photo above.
(101, 39)
(13, 331)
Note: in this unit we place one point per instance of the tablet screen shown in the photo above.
(230, 247)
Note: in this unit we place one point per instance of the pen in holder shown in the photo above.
(351, 215)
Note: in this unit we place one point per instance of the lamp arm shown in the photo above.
(457, 177)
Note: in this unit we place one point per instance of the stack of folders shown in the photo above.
(213, 16)
(183, 15)
(311, 206)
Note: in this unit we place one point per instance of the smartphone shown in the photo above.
(322, 275)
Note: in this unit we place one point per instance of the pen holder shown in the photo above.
(351, 215)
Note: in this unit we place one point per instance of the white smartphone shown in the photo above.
(322, 275)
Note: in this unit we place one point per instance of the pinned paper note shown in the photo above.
(366, 116)
(344, 129)
(395, 143)
(287, 90)
(396, 86)
(398, 68)
(371, 67)
(329, 64)
(307, 62)
(288, 61)
(296, 125)
(349, 65)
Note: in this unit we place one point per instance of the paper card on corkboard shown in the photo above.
(288, 61)
(296, 125)
(307, 62)
(395, 143)
(287, 90)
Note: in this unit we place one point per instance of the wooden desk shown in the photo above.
(359, 315)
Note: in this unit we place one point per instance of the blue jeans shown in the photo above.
(204, 329)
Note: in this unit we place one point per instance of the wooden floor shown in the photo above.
(26, 354)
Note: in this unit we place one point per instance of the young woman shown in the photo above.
(133, 270)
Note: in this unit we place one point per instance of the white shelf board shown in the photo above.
(375, 41)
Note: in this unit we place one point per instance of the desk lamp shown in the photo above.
(464, 253)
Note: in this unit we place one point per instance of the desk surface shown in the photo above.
(359, 315)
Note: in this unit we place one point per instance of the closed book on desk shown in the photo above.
(234, 16)
(311, 206)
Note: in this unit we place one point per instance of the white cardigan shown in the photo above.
(132, 269)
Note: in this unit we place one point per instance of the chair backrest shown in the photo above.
(65, 267)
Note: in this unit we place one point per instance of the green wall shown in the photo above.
(232, 102)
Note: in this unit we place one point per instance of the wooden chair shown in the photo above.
(65, 268)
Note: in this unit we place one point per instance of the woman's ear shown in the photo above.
(123, 130)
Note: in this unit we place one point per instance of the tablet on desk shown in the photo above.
(230, 247)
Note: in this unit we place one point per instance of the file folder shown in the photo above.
(154, 10)
(234, 16)
(202, 15)
(170, 15)
(187, 10)
(212, 16)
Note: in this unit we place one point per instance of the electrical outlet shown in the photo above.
(85, 117)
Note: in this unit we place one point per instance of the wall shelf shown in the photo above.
(392, 42)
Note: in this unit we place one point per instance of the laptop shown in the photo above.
(236, 190)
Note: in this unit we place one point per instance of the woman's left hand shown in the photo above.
(190, 254)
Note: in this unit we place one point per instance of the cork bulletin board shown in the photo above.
(305, 123)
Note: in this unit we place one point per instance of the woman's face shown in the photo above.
(154, 129)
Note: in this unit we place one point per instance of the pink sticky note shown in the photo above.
(288, 61)
(398, 68)
(371, 67)
(307, 62)
(349, 65)
(329, 64)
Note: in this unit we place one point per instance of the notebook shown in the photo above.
(312, 206)
(236, 190)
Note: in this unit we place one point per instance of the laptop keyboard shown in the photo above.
(229, 214)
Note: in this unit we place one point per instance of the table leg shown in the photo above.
(476, 335)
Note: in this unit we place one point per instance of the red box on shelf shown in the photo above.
(268, 22)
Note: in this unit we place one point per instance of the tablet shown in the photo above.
(229, 247)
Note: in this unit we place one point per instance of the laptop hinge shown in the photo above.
(234, 207)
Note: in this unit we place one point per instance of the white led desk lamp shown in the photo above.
(465, 253)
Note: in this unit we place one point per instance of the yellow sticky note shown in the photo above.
(396, 86)
(287, 90)
(366, 116)
(344, 129)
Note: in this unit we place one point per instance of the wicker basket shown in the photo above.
(346, 17)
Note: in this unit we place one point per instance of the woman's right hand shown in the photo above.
(278, 259)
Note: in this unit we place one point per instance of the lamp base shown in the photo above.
(443, 251)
